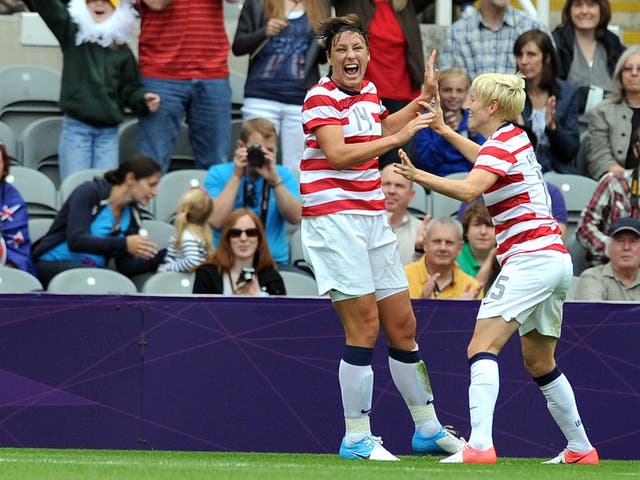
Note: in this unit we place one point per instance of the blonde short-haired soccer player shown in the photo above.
(536, 268)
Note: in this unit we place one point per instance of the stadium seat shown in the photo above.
(158, 232)
(171, 188)
(76, 179)
(13, 280)
(182, 158)
(577, 191)
(37, 190)
(577, 251)
(128, 138)
(298, 283)
(295, 243)
(8, 138)
(38, 227)
(169, 283)
(236, 127)
(91, 281)
(443, 206)
(419, 204)
(40, 142)
(28, 92)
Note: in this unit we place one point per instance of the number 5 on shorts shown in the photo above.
(498, 288)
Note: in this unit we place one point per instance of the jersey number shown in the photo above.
(497, 291)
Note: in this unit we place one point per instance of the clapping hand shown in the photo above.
(430, 285)
(550, 113)
(471, 293)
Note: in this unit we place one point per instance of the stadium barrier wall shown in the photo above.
(260, 374)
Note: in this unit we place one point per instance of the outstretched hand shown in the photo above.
(431, 75)
(435, 115)
(406, 168)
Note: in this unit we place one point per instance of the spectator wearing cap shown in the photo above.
(618, 280)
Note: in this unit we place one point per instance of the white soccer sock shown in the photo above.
(356, 387)
(561, 402)
(483, 394)
(412, 381)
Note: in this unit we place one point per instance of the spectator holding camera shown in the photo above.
(254, 181)
(242, 263)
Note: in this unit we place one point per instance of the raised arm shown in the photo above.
(466, 190)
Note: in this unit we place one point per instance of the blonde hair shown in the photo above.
(316, 11)
(453, 72)
(194, 209)
(260, 125)
(504, 88)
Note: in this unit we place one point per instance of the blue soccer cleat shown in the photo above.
(442, 441)
(369, 448)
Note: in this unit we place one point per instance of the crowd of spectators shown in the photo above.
(583, 101)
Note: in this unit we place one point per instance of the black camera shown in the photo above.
(255, 156)
(246, 275)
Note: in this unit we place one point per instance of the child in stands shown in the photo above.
(100, 77)
(193, 240)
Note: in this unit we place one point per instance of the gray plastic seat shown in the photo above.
(443, 206)
(37, 190)
(182, 158)
(38, 227)
(40, 141)
(28, 93)
(171, 188)
(76, 179)
(13, 280)
(91, 281)
(8, 138)
(299, 283)
(419, 204)
(169, 283)
(158, 232)
(576, 189)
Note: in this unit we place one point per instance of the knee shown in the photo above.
(538, 366)
(364, 333)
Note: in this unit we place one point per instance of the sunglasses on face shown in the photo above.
(237, 232)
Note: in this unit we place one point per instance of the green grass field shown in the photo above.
(42, 464)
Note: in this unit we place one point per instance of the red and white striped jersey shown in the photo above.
(185, 40)
(518, 202)
(357, 189)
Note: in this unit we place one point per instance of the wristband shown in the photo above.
(279, 182)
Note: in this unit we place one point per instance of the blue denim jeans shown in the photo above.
(207, 107)
(84, 146)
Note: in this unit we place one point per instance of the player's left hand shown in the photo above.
(431, 75)
(406, 168)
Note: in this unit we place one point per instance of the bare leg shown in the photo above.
(410, 376)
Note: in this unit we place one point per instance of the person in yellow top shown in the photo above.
(436, 274)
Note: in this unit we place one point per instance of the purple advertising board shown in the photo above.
(260, 374)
